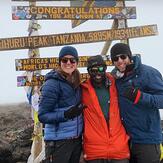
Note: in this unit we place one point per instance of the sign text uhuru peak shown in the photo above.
(76, 38)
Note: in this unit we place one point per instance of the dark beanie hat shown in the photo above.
(120, 48)
(95, 61)
(68, 50)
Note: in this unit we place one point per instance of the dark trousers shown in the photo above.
(108, 161)
(63, 151)
(145, 153)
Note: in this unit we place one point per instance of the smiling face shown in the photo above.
(121, 61)
(97, 73)
(68, 64)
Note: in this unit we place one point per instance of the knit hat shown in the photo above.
(95, 61)
(68, 50)
(120, 48)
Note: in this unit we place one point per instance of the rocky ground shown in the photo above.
(16, 128)
(15, 133)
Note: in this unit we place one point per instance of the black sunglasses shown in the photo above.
(99, 69)
(116, 58)
(65, 60)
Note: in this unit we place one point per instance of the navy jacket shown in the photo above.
(57, 96)
(142, 120)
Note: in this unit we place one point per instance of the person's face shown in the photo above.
(68, 64)
(97, 73)
(121, 61)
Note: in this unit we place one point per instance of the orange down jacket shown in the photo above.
(102, 140)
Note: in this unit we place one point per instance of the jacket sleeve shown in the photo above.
(48, 112)
(153, 98)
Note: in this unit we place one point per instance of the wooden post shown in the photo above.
(122, 23)
(117, 23)
(37, 137)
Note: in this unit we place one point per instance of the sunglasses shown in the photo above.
(116, 58)
(99, 69)
(65, 60)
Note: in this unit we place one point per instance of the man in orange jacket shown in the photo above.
(104, 139)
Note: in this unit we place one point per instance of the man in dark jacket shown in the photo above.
(140, 89)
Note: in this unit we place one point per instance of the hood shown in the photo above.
(53, 75)
(109, 80)
(137, 61)
(86, 84)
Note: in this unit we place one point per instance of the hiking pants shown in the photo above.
(145, 153)
(63, 151)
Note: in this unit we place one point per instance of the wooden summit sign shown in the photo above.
(76, 38)
(49, 12)
(38, 80)
(32, 64)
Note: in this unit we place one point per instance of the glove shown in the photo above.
(133, 94)
(74, 111)
(49, 150)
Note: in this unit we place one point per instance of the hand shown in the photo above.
(50, 147)
(133, 94)
(74, 111)
(129, 67)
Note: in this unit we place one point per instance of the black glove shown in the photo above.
(129, 67)
(133, 94)
(49, 150)
(74, 111)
